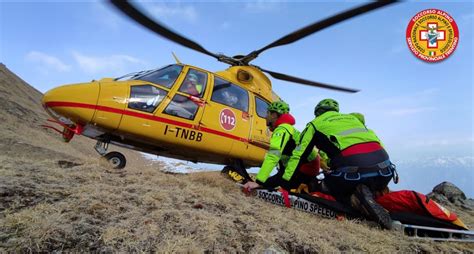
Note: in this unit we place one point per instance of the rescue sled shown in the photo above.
(307, 203)
(409, 223)
(432, 233)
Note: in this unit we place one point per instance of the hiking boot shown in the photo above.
(371, 208)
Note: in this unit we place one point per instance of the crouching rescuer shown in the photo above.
(358, 163)
(283, 140)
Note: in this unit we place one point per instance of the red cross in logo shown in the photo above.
(432, 35)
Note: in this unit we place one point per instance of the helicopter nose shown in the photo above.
(72, 103)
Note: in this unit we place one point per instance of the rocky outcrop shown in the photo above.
(447, 193)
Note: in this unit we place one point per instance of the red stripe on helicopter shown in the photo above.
(141, 115)
(53, 104)
(227, 135)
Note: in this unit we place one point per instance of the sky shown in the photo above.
(423, 112)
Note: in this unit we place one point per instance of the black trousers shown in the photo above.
(342, 189)
(342, 185)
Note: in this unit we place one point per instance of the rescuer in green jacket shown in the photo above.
(358, 163)
(282, 143)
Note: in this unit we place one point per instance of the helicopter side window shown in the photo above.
(182, 106)
(164, 77)
(262, 107)
(145, 97)
(194, 84)
(229, 94)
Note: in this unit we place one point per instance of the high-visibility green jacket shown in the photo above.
(335, 130)
(279, 140)
(199, 88)
(282, 142)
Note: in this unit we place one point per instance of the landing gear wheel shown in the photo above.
(116, 160)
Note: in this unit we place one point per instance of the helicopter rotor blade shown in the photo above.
(133, 13)
(307, 82)
(318, 26)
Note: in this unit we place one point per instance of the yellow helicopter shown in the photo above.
(182, 111)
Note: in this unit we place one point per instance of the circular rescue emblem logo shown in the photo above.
(432, 35)
(227, 119)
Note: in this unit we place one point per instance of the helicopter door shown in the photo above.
(112, 99)
(147, 93)
(185, 109)
(144, 99)
(260, 134)
(227, 119)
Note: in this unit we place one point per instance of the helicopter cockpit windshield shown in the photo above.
(165, 76)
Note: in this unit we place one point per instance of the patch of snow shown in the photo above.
(184, 167)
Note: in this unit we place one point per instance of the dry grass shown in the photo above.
(80, 205)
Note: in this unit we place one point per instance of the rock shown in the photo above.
(447, 193)
(468, 204)
(440, 198)
(449, 190)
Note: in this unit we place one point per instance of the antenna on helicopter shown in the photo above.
(176, 58)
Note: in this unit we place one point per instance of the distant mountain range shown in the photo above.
(425, 173)
(440, 162)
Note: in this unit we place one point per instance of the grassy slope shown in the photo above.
(57, 196)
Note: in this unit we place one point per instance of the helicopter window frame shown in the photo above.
(257, 111)
(144, 100)
(189, 88)
(182, 106)
(156, 76)
(238, 102)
